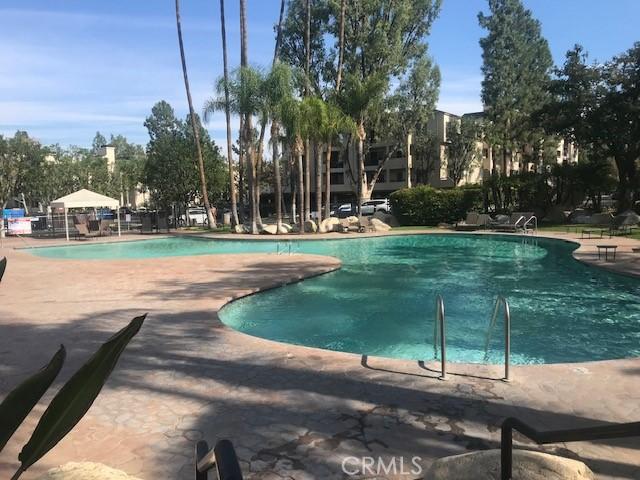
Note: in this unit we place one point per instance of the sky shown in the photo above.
(69, 68)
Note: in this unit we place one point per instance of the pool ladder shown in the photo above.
(284, 246)
(439, 333)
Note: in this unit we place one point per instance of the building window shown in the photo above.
(337, 178)
(382, 177)
(397, 175)
(336, 161)
(374, 156)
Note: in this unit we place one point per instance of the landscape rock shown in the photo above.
(85, 471)
(527, 465)
(379, 225)
(353, 220)
(238, 229)
(310, 226)
(387, 218)
(270, 229)
(328, 224)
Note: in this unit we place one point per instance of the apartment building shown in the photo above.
(403, 168)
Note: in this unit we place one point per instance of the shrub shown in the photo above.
(425, 205)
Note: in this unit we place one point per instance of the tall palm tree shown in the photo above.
(307, 143)
(194, 124)
(327, 180)
(292, 123)
(247, 133)
(232, 179)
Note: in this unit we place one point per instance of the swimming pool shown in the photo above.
(382, 301)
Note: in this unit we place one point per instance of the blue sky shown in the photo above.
(71, 67)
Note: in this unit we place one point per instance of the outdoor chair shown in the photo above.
(105, 228)
(474, 221)
(516, 222)
(83, 231)
(146, 225)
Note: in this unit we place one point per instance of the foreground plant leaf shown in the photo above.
(3, 266)
(21, 400)
(76, 396)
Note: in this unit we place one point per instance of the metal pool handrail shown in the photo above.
(439, 321)
(507, 333)
(535, 224)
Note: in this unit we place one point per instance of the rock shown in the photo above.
(630, 217)
(555, 215)
(286, 227)
(387, 218)
(328, 224)
(527, 465)
(310, 226)
(353, 220)
(238, 229)
(379, 225)
(271, 229)
(85, 471)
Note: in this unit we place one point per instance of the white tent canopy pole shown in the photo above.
(85, 199)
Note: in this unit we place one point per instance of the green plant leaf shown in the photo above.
(21, 400)
(3, 266)
(76, 396)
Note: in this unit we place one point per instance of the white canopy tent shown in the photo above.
(85, 199)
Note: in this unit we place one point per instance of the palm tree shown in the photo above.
(327, 183)
(194, 124)
(291, 121)
(278, 89)
(232, 179)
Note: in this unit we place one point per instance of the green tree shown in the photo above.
(462, 148)
(98, 142)
(516, 67)
(21, 157)
(194, 126)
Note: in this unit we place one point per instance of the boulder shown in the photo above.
(630, 217)
(387, 218)
(527, 465)
(286, 227)
(353, 220)
(379, 225)
(238, 229)
(85, 471)
(328, 224)
(270, 229)
(555, 215)
(310, 226)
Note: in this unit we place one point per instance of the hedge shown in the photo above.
(425, 205)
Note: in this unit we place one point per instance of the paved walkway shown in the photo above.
(292, 412)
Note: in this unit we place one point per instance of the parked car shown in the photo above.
(343, 211)
(194, 216)
(371, 206)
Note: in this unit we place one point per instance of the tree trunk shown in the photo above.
(327, 185)
(276, 172)
(327, 182)
(232, 177)
(307, 180)
(248, 127)
(362, 177)
(194, 124)
(318, 155)
(301, 206)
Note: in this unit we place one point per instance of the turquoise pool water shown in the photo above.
(382, 301)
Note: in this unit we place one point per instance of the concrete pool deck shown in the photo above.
(292, 412)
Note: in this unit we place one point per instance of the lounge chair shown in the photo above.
(105, 228)
(474, 221)
(83, 231)
(146, 225)
(365, 225)
(516, 222)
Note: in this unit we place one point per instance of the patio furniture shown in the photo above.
(83, 231)
(221, 461)
(588, 232)
(606, 249)
(105, 228)
(516, 222)
(146, 225)
(474, 221)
